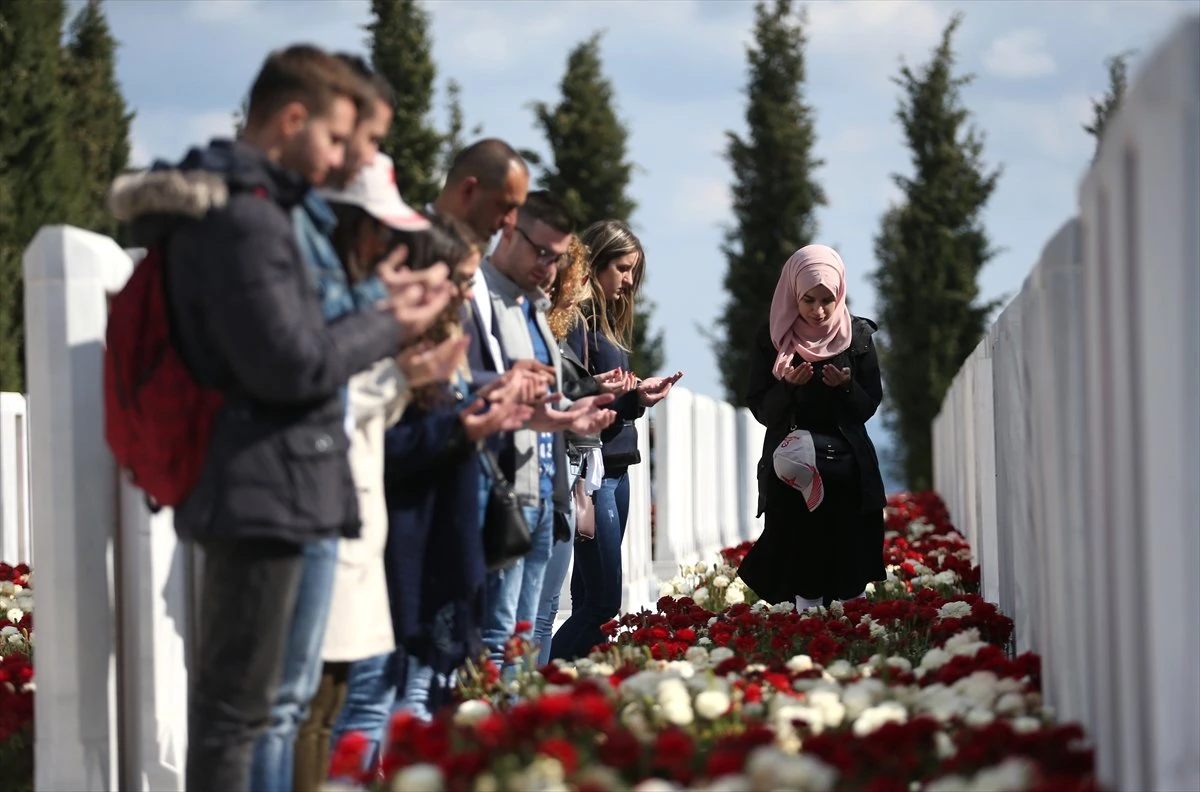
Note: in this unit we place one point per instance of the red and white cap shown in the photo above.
(374, 190)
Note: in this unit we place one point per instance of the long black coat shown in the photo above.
(833, 551)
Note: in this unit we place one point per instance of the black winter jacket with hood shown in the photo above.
(246, 319)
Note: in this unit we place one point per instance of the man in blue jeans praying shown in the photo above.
(527, 255)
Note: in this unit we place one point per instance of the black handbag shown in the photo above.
(506, 536)
(835, 457)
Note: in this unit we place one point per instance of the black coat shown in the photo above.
(780, 407)
(247, 319)
(831, 552)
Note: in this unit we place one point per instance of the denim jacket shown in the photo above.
(314, 221)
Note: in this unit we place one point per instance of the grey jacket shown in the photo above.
(508, 308)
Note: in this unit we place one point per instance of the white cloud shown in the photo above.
(873, 35)
(1020, 55)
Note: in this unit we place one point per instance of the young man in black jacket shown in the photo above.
(247, 320)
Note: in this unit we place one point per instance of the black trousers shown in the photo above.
(247, 594)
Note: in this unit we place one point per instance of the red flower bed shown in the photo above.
(910, 687)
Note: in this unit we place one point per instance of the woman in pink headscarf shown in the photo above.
(814, 383)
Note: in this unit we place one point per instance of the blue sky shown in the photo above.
(678, 67)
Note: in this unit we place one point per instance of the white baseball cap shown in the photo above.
(374, 191)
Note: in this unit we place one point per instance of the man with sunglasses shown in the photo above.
(527, 255)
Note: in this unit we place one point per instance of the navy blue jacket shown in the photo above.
(434, 554)
(621, 439)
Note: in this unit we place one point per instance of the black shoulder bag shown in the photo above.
(506, 536)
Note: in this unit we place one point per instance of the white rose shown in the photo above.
(712, 704)
(8, 630)
(946, 578)
(734, 596)
(963, 638)
(954, 610)
(697, 656)
(799, 663)
(700, 595)
(471, 712)
(720, 655)
(1026, 724)
(675, 701)
(934, 659)
(667, 590)
(15, 614)
(830, 705)
(656, 785)
(720, 581)
(873, 718)
(978, 718)
(418, 778)
(1010, 704)
(16, 639)
(1014, 773)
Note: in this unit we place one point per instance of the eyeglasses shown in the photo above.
(544, 257)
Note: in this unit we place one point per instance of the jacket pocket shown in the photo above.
(317, 463)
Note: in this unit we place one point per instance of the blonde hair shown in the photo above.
(609, 240)
(567, 290)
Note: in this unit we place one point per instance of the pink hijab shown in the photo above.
(809, 267)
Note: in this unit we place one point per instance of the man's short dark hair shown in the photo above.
(488, 160)
(547, 207)
(379, 85)
(306, 74)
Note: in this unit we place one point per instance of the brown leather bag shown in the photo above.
(585, 513)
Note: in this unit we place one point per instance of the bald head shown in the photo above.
(488, 161)
(487, 183)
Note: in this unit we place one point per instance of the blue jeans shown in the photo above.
(274, 751)
(556, 573)
(513, 593)
(370, 690)
(596, 581)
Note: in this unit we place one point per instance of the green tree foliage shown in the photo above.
(1104, 108)
(775, 193)
(930, 251)
(39, 171)
(402, 52)
(590, 168)
(97, 118)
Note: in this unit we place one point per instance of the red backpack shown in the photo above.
(157, 418)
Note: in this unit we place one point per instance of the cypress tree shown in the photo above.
(1104, 108)
(402, 52)
(456, 125)
(38, 172)
(775, 194)
(930, 251)
(591, 170)
(97, 118)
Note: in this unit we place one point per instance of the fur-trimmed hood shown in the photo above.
(154, 200)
